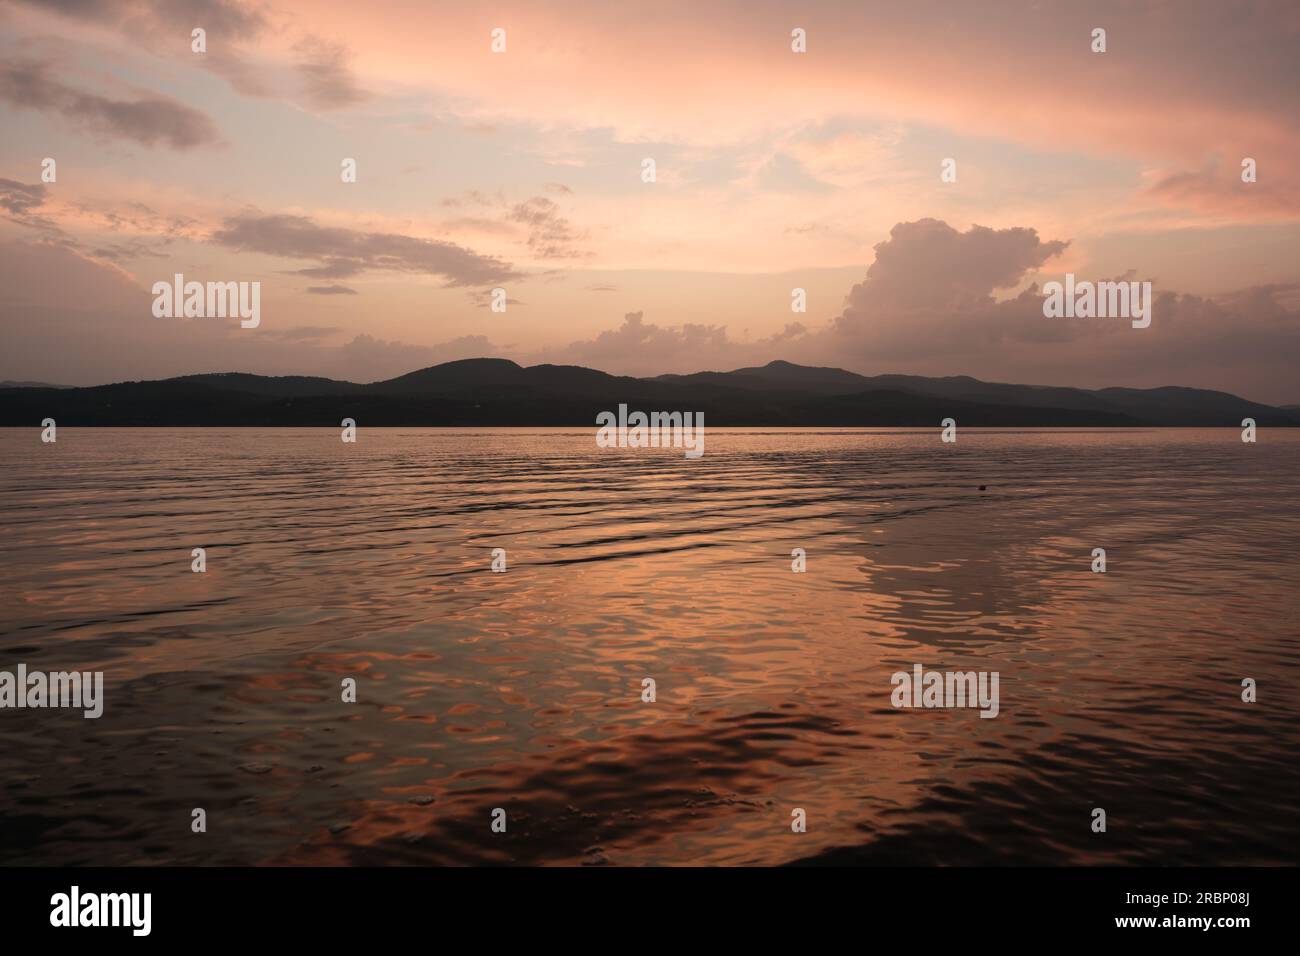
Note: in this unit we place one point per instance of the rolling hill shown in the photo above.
(498, 392)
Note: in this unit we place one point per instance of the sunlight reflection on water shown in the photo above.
(522, 690)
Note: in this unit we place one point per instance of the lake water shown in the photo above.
(523, 690)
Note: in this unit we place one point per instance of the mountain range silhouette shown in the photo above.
(499, 392)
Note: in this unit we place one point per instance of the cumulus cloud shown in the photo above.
(148, 119)
(547, 233)
(550, 235)
(78, 320)
(19, 199)
(233, 28)
(928, 305)
(931, 290)
(638, 347)
(649, 343)
(928, 264)
(341, 253)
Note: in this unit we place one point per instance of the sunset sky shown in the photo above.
(775, 170)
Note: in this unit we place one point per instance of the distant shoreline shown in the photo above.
(584, 428)
(497, 393)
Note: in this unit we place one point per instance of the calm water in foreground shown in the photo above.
(523, 690)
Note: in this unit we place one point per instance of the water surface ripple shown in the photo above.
(523, 690)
